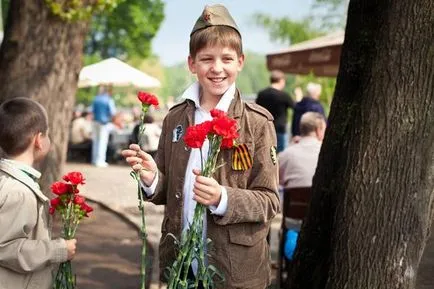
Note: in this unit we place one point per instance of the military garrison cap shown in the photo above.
(214, 15)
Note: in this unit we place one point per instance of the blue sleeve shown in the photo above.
(112, 107)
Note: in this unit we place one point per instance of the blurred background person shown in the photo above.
(307, 103)
(277, 102)
(81, 129)
(298, 162)
(104, 109)
(80, 138)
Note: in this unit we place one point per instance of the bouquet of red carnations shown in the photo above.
(72, 208)
(221, 133)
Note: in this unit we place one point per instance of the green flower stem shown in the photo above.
(176, 272)
(143, 233)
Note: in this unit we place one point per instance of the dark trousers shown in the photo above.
(191, 276)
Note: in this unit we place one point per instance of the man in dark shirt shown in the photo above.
(277, 102)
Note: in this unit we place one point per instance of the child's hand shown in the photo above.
(70, 247)
(141, 162)
(206, 190)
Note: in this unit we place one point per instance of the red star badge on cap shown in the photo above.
(206, 17)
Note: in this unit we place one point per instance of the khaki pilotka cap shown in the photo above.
(214, 15)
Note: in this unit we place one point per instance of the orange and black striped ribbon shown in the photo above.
(241, 159)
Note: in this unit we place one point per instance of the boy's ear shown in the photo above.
(240, 62)
(191, 66)
(37, 140)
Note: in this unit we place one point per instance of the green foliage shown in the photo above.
(78, 10)
(176, 79)
(254, 75)
(326, 16)
(287, 30)
(331, 13)
(127, 31)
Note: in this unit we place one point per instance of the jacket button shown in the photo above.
(178, 195)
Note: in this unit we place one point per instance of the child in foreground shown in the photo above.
(27, 252)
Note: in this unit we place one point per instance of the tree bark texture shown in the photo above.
(373, 190)
(40, 58)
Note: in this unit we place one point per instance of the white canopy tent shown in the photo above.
(114, 72)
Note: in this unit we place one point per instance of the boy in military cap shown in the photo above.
(241, 200)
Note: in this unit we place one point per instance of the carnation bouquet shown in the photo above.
(72, 208)
(147, 100)
(220, 132)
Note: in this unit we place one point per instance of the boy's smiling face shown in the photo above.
(216, 68)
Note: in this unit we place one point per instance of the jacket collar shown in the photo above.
(10, 169)
(235, 110)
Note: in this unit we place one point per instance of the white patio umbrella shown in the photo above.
(117, 73)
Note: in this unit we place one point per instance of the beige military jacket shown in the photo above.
(26, 249)
(239, 247)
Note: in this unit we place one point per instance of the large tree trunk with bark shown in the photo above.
(40, 58)
(373, 190)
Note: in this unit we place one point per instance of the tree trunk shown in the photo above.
(40, 58)
(373, 190)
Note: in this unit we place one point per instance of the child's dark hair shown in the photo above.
(20, 120)
(214, 35)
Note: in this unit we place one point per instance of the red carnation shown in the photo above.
(227, 143)
(196, 135)
(147, 98)
(60, 188)
(225, 127)
(79, 199)
(75, 178)
(217, 113)
(86, 209)
(51, 210)
(55, 202)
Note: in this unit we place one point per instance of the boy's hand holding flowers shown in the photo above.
(71, 246)
(141, 163)
(207, 191)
